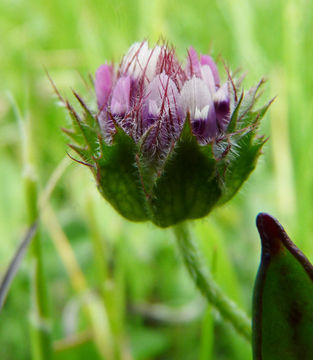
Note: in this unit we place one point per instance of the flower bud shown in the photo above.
(169, 142)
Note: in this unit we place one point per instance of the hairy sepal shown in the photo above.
(240, 162)
(118, 177)
(188, 187)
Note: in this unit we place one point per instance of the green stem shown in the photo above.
(206, 284)
(39, 322)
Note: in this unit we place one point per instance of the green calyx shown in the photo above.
(185, 184)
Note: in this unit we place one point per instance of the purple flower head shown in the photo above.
(170, 141)
(150, 95)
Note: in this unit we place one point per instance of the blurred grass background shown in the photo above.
(118, 290)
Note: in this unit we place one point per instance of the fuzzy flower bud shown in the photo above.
(169, 141)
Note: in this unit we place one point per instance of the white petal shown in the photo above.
(221, 94)
(195, 95)
(202, 114)
(140, 61)
(208, 78)
(151, 63)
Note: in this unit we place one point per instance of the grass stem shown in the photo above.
(40, 317)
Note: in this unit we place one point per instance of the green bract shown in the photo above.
(282, 301)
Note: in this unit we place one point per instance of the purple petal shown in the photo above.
(205, 128)
(204, 123)
(222, 106)
(207, 60)
(120, 102)
(103, 84)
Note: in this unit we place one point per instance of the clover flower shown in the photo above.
(152, 93)
(169, 141)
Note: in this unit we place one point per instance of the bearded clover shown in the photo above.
(169, 141)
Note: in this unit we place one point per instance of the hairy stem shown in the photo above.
(206, 284)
